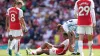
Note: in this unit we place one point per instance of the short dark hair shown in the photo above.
(58, 27)
(65, 34)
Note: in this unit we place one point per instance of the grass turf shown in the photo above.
(96, 52)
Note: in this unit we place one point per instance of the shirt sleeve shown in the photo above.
(65, 27)
(92, 5)
(75, 8)
(66, 42)
(20, 14)
(93, 12)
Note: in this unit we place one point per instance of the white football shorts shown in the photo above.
(85, 30)
(16, 33)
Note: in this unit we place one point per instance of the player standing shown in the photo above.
(14, 24)
(84, 11)
(72, 26)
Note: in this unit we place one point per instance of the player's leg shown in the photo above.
(10, 38)
(90, 42)
(18, 35)
(46, 51)
(80, 44)
(11, 47)
(8, 48)
(51, 51)
(30, 51)
(17, 47)
(89, 33)
(81, 32)
(35, 52)
(43, 49)
(76, 48)
(45, 46)
(11, 42)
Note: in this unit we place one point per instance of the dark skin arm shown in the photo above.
(71, 41)
(7, 23)
(23, 25)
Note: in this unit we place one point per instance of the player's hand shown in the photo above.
(8, 29)
(25, 29)
(94, 24)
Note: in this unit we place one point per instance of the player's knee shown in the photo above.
(46, 43)
(10, 37)
(90, 37)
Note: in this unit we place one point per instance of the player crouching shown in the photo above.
(50, 49)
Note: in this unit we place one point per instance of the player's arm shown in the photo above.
(75, 10)
(71, 36)
(65, 35)
(22, 21)
(7, 21)
(93, 13)
(23, 24)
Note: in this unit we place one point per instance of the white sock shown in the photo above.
(80, 44)
(90, 47)
(9, 43)
(17, 46)
(12, 44)
(34, 52)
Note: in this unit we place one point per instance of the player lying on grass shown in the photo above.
(50, 49)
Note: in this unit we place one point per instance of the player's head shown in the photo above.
(59, 28)
(65, 35)
(18, 4)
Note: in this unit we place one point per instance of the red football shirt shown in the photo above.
(83, 10)
(14, 17)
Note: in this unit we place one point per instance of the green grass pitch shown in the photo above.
(96, 52)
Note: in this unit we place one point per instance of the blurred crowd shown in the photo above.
(42, 17)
